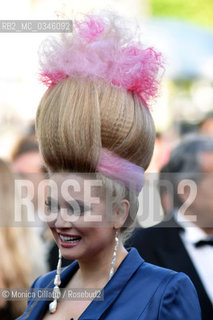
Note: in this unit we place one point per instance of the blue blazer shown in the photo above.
(137, 291)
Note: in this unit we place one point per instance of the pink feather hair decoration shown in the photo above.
(103, 46)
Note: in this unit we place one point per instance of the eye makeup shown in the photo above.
(76, 207)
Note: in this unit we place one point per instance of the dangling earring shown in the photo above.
(57, 282)
(112, 269)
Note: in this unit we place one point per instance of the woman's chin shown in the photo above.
(69, 252)
(68, 255)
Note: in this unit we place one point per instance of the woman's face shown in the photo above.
(82, 224)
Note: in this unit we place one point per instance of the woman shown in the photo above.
(19, 265)
(94, 119)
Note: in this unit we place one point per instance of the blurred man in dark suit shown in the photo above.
(183, 241)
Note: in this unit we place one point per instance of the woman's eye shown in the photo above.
(50, 207)
(83, 209)
(77, 210)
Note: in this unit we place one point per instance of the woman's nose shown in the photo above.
(62, 220)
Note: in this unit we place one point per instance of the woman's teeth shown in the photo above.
(69, 239)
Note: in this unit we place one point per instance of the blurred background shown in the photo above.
(181, 29)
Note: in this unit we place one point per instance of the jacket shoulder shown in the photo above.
(155, 272)
(163, 291)
(173, 293)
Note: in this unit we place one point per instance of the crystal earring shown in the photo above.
(57, 282)
(112, 269)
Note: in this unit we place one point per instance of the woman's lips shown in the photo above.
(68, 241)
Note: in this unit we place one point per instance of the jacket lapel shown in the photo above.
(114, 287)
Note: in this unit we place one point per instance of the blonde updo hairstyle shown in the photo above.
(79, 116)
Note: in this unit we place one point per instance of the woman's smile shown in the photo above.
(68, 240)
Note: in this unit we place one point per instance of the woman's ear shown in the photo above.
(121, 213)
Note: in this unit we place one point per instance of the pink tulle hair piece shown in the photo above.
(122, 170)
(103, 47)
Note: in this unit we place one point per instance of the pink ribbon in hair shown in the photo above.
(122, 170)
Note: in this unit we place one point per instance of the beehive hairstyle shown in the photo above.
(78, 117)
